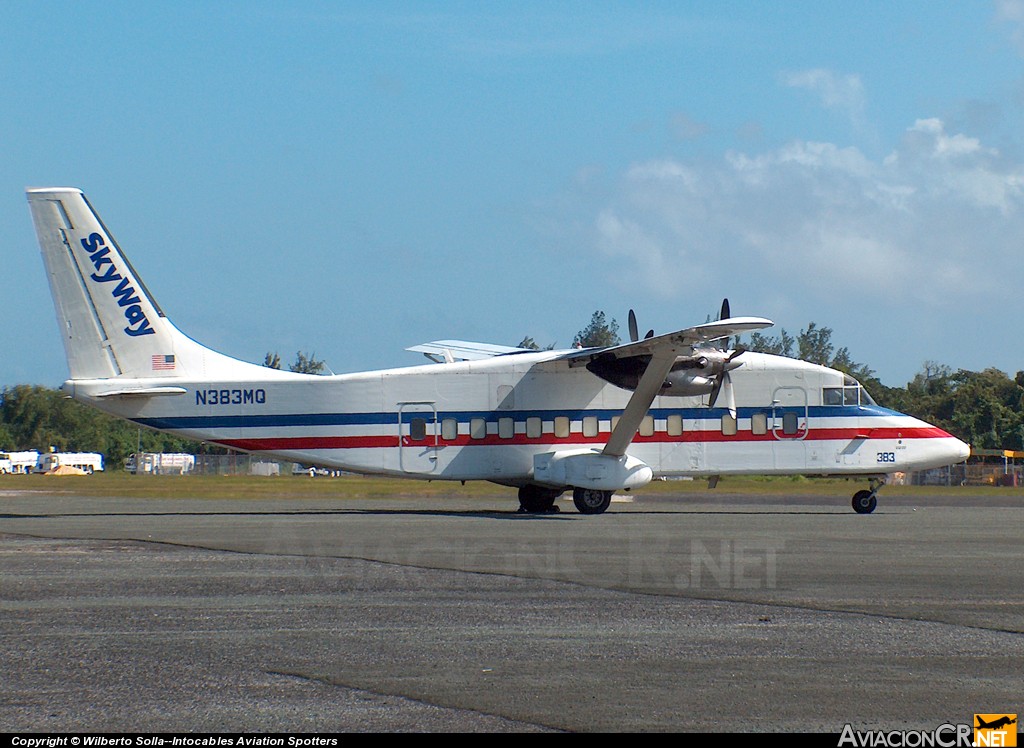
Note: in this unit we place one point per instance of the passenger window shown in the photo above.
(759, 423)
(647, 426)
(506, 428)
(449, 429)
(728, 424)
(675, 425)
(590, 426)
(562, 427)
(533, 427)
(477, 428)
(417, 429)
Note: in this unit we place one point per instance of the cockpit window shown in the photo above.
(850, 394)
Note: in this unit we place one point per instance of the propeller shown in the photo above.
(724, 381)
(634, 332)
(719, 360)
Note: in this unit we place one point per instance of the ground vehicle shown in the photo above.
(20, 462)
(160, 463)
(89, 462)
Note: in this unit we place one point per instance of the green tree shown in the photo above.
(815, 344)
(531, 345)
(307, 364)
(303, 364)
(600, 333)
(986, 409)
(778, 346)
(33, 417)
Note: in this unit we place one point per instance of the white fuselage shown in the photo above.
(489, 419)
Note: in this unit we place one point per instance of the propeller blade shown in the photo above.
(724, 314)
(716, 388)
(650, 334)
(730, 395)
(723, 382)
(633, 333)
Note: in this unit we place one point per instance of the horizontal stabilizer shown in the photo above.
(142, 392)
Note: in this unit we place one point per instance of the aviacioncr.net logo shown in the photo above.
(943, 736)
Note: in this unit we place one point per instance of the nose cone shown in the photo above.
(962, 450)
(951, 451)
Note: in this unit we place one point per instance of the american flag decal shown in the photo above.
(163, 363)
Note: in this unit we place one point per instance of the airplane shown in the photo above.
(592, 421)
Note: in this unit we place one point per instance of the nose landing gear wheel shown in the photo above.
(864, 502)
(591, 500)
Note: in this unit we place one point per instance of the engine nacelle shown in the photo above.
(686, 384)
(589, 468)
(690, 375)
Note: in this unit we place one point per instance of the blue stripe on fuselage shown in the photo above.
(262, 420)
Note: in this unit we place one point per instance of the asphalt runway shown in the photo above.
(724, 613)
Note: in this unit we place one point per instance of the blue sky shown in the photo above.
(349, 179)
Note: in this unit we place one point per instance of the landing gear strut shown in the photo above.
(538, 500)
(591, 500)
(864, 502)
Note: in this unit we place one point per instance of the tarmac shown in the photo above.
(710, 613)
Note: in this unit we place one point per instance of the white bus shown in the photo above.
(89, 462)
(19, 462)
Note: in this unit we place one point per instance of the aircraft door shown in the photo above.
(789, 427)
(417, 437)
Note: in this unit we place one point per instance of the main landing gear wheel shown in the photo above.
(591, 500)
(538, 500)
(864, 502)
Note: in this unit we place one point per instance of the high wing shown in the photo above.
(652, 359)
(447, 351)
(687, 338)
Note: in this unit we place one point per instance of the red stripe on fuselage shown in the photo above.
(282, 444)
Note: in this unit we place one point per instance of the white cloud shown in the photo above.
(843, 93)
(939, 220)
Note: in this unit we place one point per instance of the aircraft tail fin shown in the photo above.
(110, 323)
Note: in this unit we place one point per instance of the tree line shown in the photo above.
(36, 417)
(983, 408)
